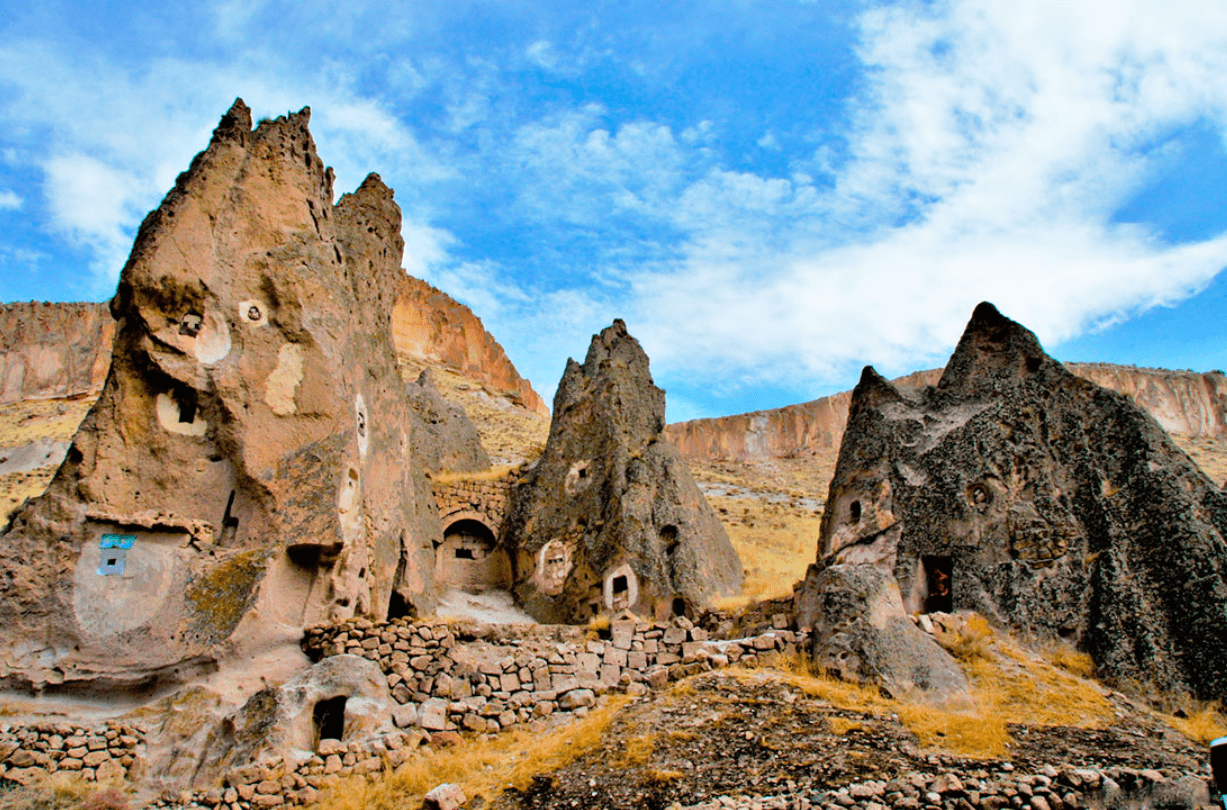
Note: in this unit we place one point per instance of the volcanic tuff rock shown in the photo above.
(53, 350)
(610, 519)
(1041, 500)
(443, 436)
(1186, 403)
(245, 471)
(430, 325)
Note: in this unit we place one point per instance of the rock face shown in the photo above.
(53, 350)
(246, 470)
(431, 326)
(861, 633)
(1185, 403)
(610, 518)
(1019, 490)
(443, 438)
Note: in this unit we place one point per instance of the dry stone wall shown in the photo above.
(110, 752)
(486, 678)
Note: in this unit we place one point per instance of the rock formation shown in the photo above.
(430, 326)
(53, 350)
(246, 470)
(1020, 490)
(1185, 403)
(610, 519)
(443, 436)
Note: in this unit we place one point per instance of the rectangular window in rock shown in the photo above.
(113, 549)
(939, 576)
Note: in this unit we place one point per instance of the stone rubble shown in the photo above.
(995, 787)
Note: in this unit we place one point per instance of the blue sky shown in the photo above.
(771, 194)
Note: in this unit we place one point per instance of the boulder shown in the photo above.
(1047, 503)
(609, 519)
(444, 438)
(861, 633)
(247, 469)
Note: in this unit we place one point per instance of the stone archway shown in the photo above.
(470, 558)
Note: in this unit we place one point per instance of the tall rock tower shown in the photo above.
(246, 470)
(610, 519)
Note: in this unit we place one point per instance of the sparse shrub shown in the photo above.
(1075, 662)
(639, 750)
(971, 642)
(1202, 723)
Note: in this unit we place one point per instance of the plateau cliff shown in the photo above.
(1185, 403)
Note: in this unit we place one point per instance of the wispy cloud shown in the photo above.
(551, 180)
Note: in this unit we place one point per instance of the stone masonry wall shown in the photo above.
(101, 753)
(487, 677)
(486, 500)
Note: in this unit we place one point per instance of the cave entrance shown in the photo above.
(470, 559)
(329, 719)
(939, 584)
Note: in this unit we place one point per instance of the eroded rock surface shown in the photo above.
(246, 470)
(431, 326)
(53, 350)
(444, 437)
(1041, 500)
(610, 518)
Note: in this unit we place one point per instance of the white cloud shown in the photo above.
(987, 160)
(9, 201)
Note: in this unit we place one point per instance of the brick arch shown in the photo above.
(451, 518)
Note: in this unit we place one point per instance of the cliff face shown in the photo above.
(430, 326)
(53, 350)
(50, 350)
(1185, 403)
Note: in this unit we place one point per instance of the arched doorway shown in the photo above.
(469, 558)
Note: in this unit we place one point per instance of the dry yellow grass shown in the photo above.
(24, 422)
(1009, 685)
(1209, 453)
(67, 791)
(638, 750)
(1204, 724)
(1073, 661)
(492, 474)
(481, 767)
(776, 543)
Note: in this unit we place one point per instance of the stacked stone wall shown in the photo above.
(484, 678)
(102, 753)
(482, 500)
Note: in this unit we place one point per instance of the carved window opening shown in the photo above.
(595, 607)
(187, 406)
(668, 536)
(854, 511)
(229, 521)
(329, 719)
(465, 554)
(679, 606)
(399, 607)
(583, 473)
(190, 324)
(939, 579)
(620, 585)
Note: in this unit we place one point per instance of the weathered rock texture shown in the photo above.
(1185, 403)
(250, 443)
(431, 326)
(1019, 490)
(444, 437)
(861, 633)
(53, 350)
(610, 518)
